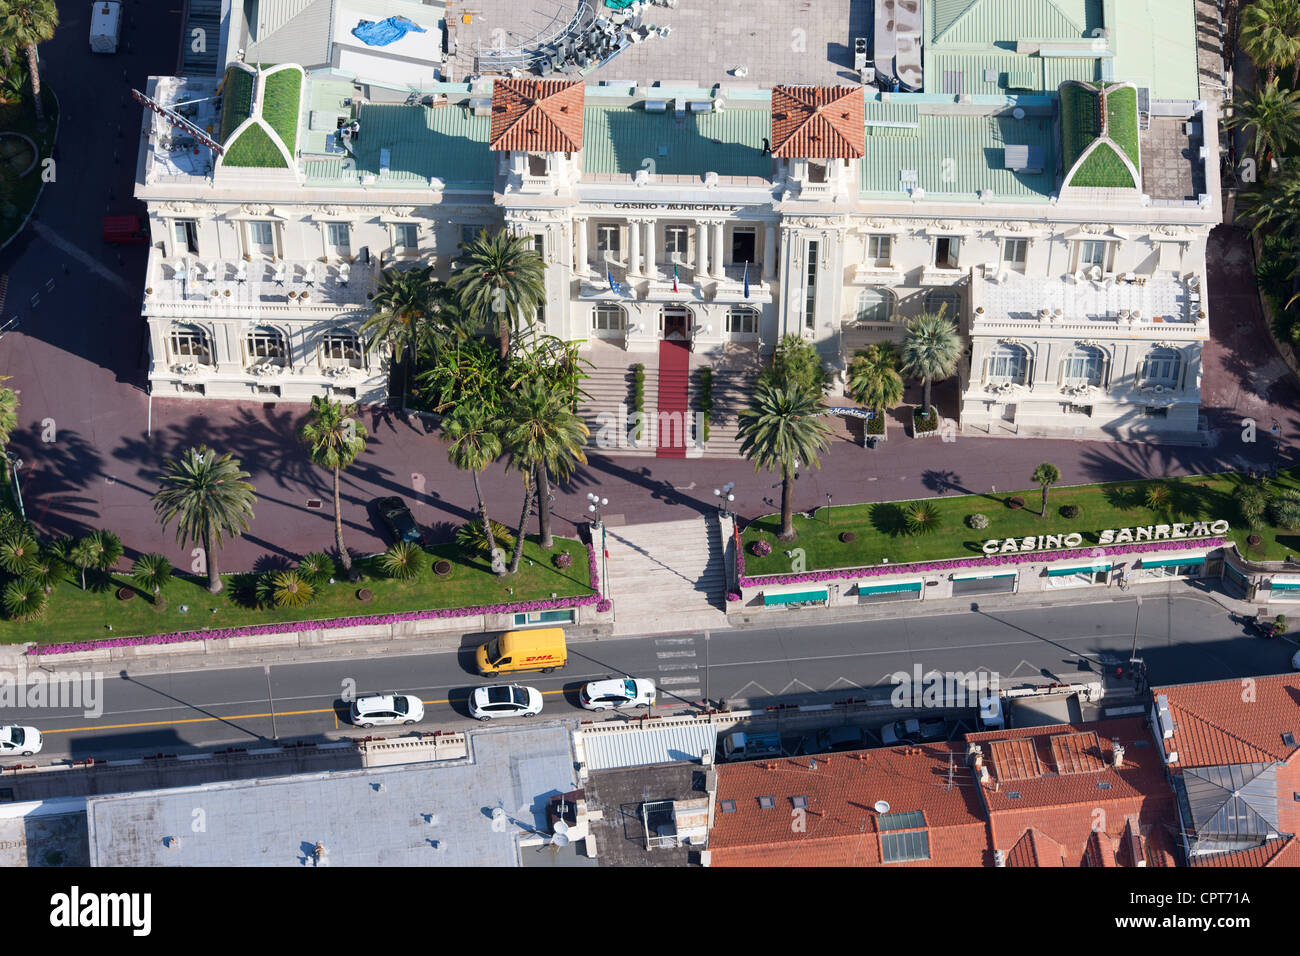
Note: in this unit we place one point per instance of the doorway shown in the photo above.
(676, 323)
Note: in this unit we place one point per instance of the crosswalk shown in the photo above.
(679, 665)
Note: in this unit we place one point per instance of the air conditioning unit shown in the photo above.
(859, 53)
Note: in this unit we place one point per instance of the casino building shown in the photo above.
(1051, 187)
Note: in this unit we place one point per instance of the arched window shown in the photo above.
(1162, 367)
(266, 346)
(189, 343)
(609, 318)
(743, 320)
(1084, 366)
(1008, 363)
(949, 300)
(875, 305)
(341, 348)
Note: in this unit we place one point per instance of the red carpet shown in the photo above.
(674, 383)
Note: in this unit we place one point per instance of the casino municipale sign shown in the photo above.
(1152, 532)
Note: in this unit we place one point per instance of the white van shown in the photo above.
(105, 26)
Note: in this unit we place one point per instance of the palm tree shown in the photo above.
(27, 23)
(543, 435)
(1272, 117)
(472, 444)
(402, 304)
(401, 561)
(1046, 475)
(46, 569)
(778, 432)
(931, 349)
(8, 413)
(1270, 35)
(107, 549)
(500, 280)
(335, 438)
(17, 551)
(152, 572)
(83, 554)
(209, 498)
(873, 378)
(1275, 204)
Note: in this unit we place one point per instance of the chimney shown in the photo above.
(984, 776)
(1118, 749)
(974, 755)
(999, 858)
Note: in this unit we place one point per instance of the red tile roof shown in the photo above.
(540, 116)
(1233, 721)
(1283, 852)
(818, 122)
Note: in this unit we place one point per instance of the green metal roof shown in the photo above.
(448, 143)
(993, 21)
(961, 155)
(1045, 75)
(618, 139)
(891, 114)
(1155, 47)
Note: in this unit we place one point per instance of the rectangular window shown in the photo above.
(607, 240)
(1092, 252)
(810, 287)
(1153, 411)
(1014, 253)
(742, 320)
(190, 345)
(338, 236)
(543, 617)
(536, 165)
(608, 318)
(1077, 410)
(469, 233)
(539, 245)
(879, 249)
(342, 348)
(261, 236)
(676, 243)
(743, 244)
(342, 394)
(187, 236)
(945, 252)
(408, 236)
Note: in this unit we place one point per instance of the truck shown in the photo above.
(541, 649)
(105, 26)
(738, 745)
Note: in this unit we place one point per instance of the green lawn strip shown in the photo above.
(22, 192)
(1080, 120)
(1122, 120)
(76, 615)
(1103, 168)
(280, 105)
(237, 101)
(254, 147)
(1120, 505)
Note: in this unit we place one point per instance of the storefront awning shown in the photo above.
(1083, 569)
(1286, 585)
(893, 587)
(1173, 562)
(799, 595)
(981, 577)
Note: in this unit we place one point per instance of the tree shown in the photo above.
(873, 378)
(8, 413)
(401, 561)
(82, 555)
(500, 282)
(284, 589)
(1046, 475)
(796, 362)
(781, 430)
(402, 304)
(106, 548)
(316, 568)
(152, 572)
(24, 599)
(931, 349)
(1275, 204)
(46, 568)
(207, 495)
(16, 552)
(1270, 35)
(922, 517)
(473, 443)
(335, 437)
(1271, 116)
(543, 435)
(27, 23)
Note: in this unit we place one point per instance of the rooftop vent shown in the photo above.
(1288, 738)
(799, 803)
(767, 803)
(1013, 794)
(881, 806)
(728, 806)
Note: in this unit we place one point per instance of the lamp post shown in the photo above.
(725, 497)
(828, 509)
(14, 465)
(596, 502)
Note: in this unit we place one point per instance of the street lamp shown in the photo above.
(828, 509)
(725, 497)
(14, 465)
(596, 502)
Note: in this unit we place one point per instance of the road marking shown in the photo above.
(674, 640)
(677, 680)
(664, 654)
(679, 667)
(685, 693)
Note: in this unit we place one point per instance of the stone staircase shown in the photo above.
(205, 15)
(734, 375)
(610, 388)
(667, 575)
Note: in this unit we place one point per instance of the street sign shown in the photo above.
(175, 119)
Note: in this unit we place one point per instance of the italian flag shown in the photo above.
(674, 277)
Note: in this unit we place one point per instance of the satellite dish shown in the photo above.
(1018, 113)
(560, 829)
(560, 839)
(881, 806)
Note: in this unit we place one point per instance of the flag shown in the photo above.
(674, 277)
(613, 286)
(746, 280)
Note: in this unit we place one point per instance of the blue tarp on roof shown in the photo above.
(385, 31)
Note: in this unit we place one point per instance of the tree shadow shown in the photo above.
(888, 519)
(943, 481)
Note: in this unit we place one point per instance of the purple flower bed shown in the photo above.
(286, 627)
(988, 561)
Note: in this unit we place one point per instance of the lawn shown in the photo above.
(1122, 120)
(18, 194)
(237, 101)
(879, 526)
(1103, 168)
(76, 615)
(280, 105)
(254, 147)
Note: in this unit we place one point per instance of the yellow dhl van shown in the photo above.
(538, 650)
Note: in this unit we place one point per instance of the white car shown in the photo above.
(24, 741)
(619, 692)
(1295, 661)
(387, 710)
(504, 700)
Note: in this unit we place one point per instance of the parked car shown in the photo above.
(837, 739)
(913, 731)
(386, 710)
(401, 523)
(504, 700)
(16, 741)
(618, 692)
(1295, 661)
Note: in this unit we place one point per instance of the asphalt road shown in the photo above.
(1182, 639)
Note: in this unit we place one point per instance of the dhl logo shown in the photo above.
(540, 657)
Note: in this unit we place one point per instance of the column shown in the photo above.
(769, 253)
(634, 247)
(580, 265)
(701, 250)
(650, 269)
(719, 264)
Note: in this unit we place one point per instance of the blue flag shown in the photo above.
(746, 280)
(613, 286)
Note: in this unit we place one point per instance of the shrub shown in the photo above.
(978, 521)
(1157, 497)
(563, 559)
(1285, 509)
(316, 568)
(760, 549)
(922, 517)
(284, 589)
(471, 539)
(1252, 502)
(24, 599)
(922, 422)
(1015, 502)
(732, 597)
(604, 605)
(706, 400)
(876, 424)
(151, 572)
(402, 561)
(17, 551)
(1070, 511)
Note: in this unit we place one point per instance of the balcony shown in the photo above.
(254, 289)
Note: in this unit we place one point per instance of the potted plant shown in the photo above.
(364, 595)
(760, 549)
(148, 291)
(227, 293)
(563, 559)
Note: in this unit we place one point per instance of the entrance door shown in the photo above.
(677, 323)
